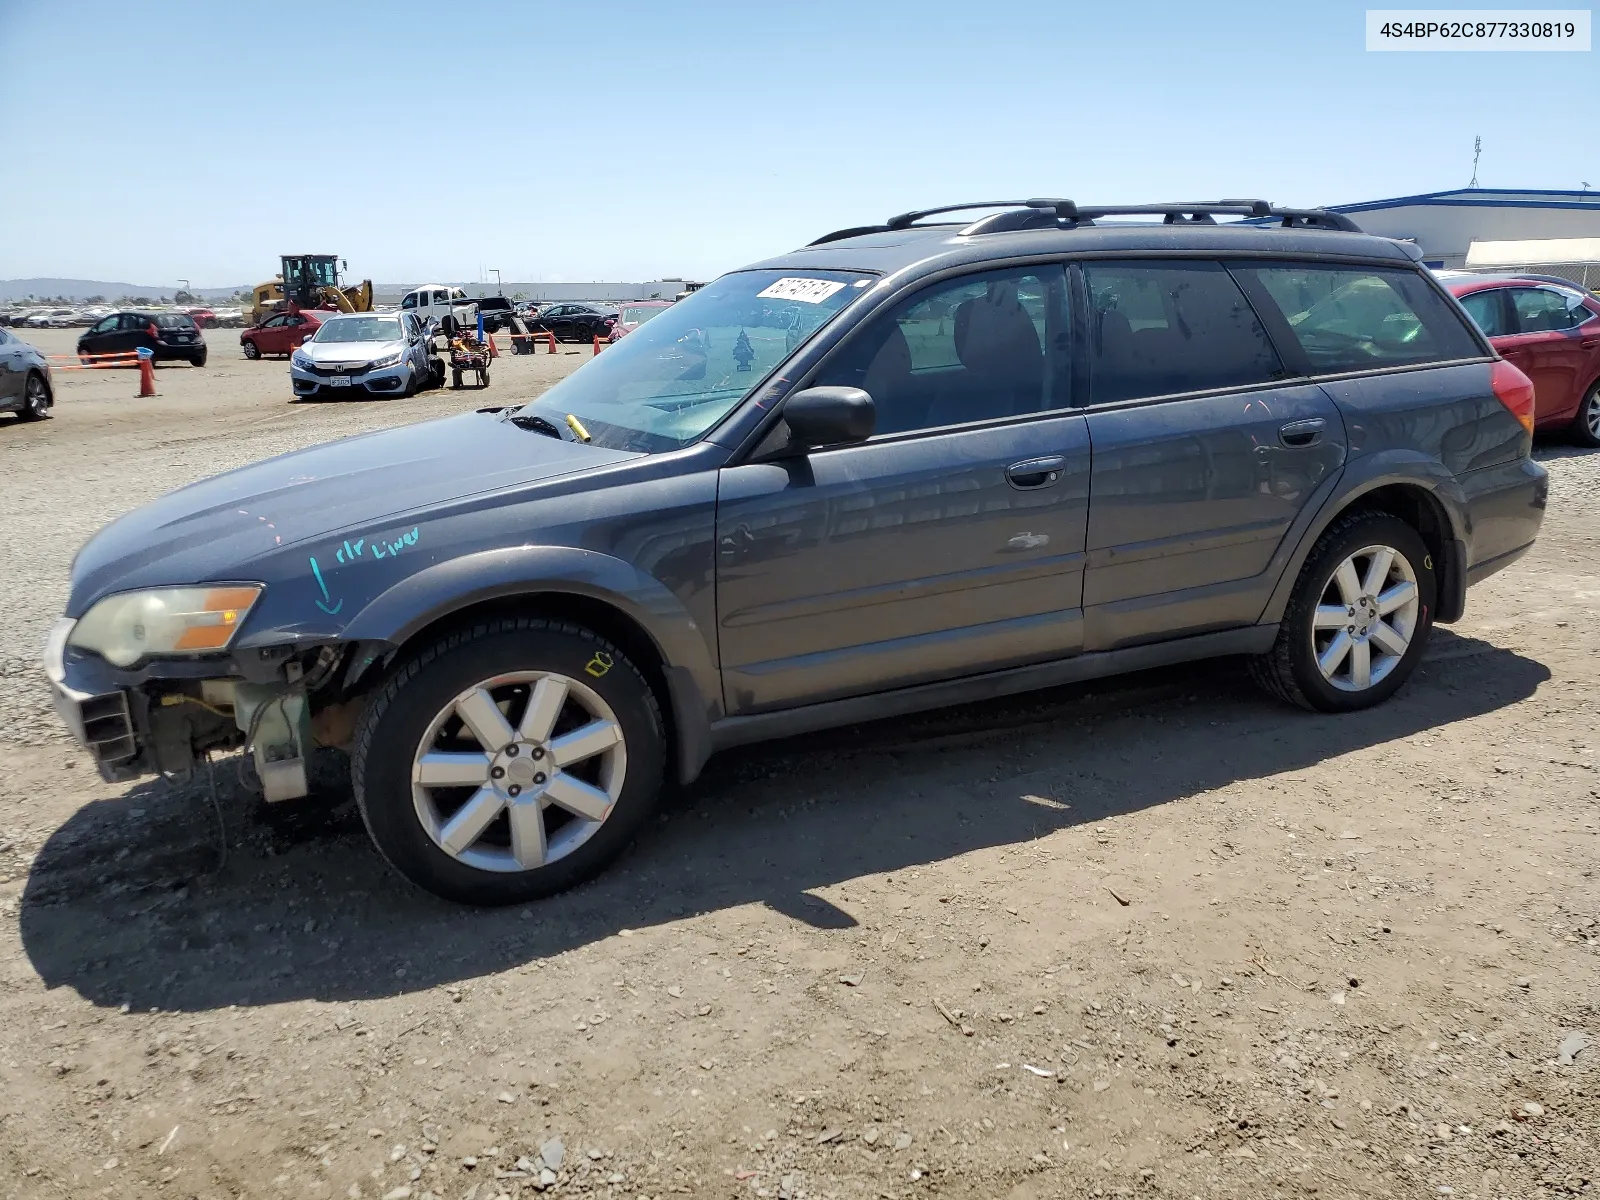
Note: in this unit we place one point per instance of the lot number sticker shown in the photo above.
(807, 291)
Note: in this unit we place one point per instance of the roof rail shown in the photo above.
(1043, 213)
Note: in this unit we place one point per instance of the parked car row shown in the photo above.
(67, 318)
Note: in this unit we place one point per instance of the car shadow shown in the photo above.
(127, 903)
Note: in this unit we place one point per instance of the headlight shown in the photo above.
(133, 625)
(388, 360)
(301, 359)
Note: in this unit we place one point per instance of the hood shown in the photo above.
(212, 531)
(328, 353)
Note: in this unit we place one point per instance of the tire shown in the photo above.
(448, 326)
(251, 350)
(483, 379)
(199, 360)
(1586, 425)
(455, 379)
(437, 367)
(1291, 670)
(417, 711)
(36, 399)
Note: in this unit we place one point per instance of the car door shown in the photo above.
(1549, 348)
(272, 337)
(1204, 451)
(100, 336)
(948, 543)
(133, 331)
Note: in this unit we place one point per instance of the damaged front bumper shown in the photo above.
(166, 717)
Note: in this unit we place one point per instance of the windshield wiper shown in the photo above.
(538, 424)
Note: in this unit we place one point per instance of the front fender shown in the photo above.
(1367, 474)
(418, 600)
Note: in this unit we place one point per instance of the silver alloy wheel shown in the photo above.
(38, 399)
(1365, 618)
(518, 771)
(1591, 414)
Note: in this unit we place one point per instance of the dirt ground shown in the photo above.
(1155, 936)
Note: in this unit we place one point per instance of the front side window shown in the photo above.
(977, 348)
(1358, 318)
(1542, 310)
(105, 326)
(663, 386)
(410, 300)
(274, 322)
(1160, 328)
(1488, 311)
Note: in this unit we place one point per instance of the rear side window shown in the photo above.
(1488, 311)
(1162, 328)
(1541, 310)
(1360, 318)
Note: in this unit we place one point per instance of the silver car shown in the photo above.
(376, 354)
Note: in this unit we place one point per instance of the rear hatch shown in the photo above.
(176, 329)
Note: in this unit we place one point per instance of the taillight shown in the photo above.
(1515, 390)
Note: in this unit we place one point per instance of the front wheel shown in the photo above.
(251, 350)
(36, 401)
(509, 761)
(1586, 426)
(1358, 619)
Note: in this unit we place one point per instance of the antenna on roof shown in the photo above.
(1477, 149)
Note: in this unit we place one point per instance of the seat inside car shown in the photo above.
(1003, 363)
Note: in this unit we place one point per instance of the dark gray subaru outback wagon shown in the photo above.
(912, 464)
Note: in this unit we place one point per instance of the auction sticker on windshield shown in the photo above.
(807, 291)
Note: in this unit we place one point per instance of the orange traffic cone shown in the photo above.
(147, 375)
(494, 351)
(551, 339)
(597, 343)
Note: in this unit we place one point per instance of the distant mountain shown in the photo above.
(82, 289)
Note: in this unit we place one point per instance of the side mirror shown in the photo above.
(307, 338)
(828, 416)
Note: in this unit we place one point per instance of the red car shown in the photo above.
(280, 333)
(635, 313)
(1551, 330)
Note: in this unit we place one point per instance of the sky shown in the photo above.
(629, 141)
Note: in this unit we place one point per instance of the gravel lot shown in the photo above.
(1155, 936)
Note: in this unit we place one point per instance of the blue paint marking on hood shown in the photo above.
(213, 530)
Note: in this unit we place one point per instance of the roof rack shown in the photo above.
(1051, 213)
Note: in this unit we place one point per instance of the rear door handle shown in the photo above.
(1302, 433)
(1036, 472)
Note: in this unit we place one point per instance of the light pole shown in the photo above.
(496, 272)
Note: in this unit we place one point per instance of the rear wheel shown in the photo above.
(251, 350)
(36, 402)
(1586, 426)
(199, 360)
(455, 378)
(1358, 620)
(508, 761)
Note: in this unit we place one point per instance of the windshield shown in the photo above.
(667, 383)
(360, 329)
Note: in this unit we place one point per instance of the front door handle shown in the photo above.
(1036, 472)
(1302, 433)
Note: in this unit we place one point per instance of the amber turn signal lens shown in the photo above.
(213, 626)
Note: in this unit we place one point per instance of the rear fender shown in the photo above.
(1365, 475)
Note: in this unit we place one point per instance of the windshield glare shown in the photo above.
(638, 315)
(668, 382)
(360, 329)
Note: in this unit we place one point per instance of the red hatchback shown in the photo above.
(280, 333)
(1551, 330)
